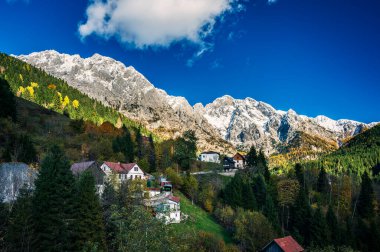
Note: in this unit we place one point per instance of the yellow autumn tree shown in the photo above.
(34, 84)
(66, 101)
(75, 104)
(30, 90)
(20, 91)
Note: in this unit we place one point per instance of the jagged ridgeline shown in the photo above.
(360, 154)
(36, 85)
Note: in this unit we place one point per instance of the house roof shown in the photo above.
(238, 154)
(80, 167)
(288, 244)
(210, 152)
(173, 198)
(120, 167)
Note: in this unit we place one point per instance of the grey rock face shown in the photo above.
(219, 124)
(123, 88)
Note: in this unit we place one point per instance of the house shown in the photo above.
(91, 166)
(122, 171)
(228, 163)
(209, 156)
(169, 210)
(286, 244)
(13, 177)
(239, 160)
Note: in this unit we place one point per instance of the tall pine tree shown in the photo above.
(89, 218)
(7, 101)
(152, 155)
(365, 205)
(53, 204)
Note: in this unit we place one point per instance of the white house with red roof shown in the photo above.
(123, 171)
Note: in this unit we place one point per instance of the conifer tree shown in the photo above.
(301, 216)
(89, 220)
(233, 191)
(252, 157)
(109, 202)
(7, 101)
(270, 212)
(318, 229)
(140, 144)
(365, 205)
(53, 204)
(333, 227)
(20, 229)
(262, 165)
(249, 201)
(260, 191)
(323, 183)
(152, 155)
(300, 174)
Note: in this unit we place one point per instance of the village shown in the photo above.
(160, 199)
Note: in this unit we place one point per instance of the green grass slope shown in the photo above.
(199, 220)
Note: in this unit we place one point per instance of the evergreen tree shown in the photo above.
(260, 191)
(270, 212)
(185, 149)
(318, 229)
(109, 203)
(252, 157)
(53, 204)
(89, 220)
(140, 144)
(124, 145)
(323, 183)
(232, 193)
(20, 229)
(300, 174)
(249, 201)
(301, 217)
(365, 205)
(262, 165)
(152, 155)
(333, 227)
(7, 101)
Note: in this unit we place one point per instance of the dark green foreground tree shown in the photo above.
(7, 101)
(89, 219)
(54, 204)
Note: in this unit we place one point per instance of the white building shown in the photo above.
(169, 210)
(123, 171)
(209, 156)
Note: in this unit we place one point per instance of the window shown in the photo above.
(136, 168)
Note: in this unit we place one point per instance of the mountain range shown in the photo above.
(224, 125)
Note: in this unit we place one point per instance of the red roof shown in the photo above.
(288, 244)
(120, 167)
(173, 198)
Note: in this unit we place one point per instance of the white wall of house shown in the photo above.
(135, 173)
(172, 214)
(153, 193)
(239, 163)
(208, 157)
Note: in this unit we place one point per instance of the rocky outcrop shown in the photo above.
(13, 177)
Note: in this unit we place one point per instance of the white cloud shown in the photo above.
(145, 23)
(272, 1)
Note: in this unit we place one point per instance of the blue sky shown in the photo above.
(314, 56)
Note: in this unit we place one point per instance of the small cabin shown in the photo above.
(209, 156)
(285, 244)
(239, 160)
